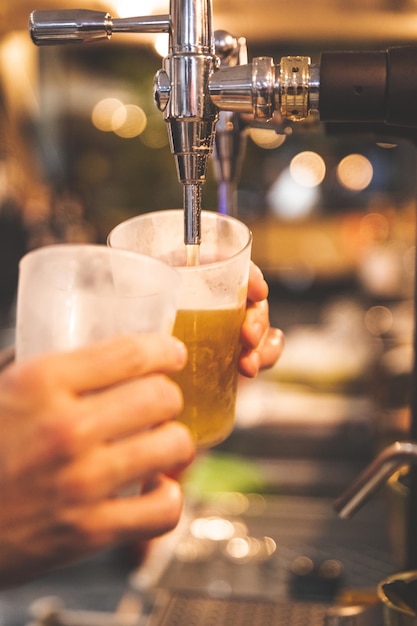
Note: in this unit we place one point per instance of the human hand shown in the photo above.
(262, 344)
(77, 429)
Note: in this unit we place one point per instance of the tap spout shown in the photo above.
(398, 454)
(188, 109)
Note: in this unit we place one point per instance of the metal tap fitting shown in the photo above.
(181, 92)
(261, 88)
(231, 130)
(398, 454)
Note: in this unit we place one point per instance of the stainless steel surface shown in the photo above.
(398, 594)
(355, 615)
(231, 130)
(84, 26)
(222, 579)
(261, 88)
(190, 114)
(192, 213)
(384, 465)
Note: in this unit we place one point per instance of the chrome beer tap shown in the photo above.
(200, 87)
(194, 88)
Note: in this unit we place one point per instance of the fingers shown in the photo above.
(112, 361)
(262, 345)
(271, 347)
(138, 404)
(108, 469)
(79, 531)
(255, 324)
(265, 355)
(154, 512)
(257, 285)
(50, 389)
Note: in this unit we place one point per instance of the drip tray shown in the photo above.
(177, 609)
(309, 567)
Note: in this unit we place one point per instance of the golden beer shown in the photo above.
(209, 380)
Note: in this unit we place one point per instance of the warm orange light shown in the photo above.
(126, 120)
(129, 121)
(102, 114)
(308, 169)
(355, 172)
(267, 139)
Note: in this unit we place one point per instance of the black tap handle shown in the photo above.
(370, 87)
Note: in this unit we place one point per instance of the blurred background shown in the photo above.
(82, 147)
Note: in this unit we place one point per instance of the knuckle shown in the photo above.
(140, 351)
(60, 437)
(75, 486)
(77, 529)
(173, 502)
(166, 394)
(172, 448)
(28, 377)
(182, 440)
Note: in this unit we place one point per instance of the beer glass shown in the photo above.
(73, 294)
(210, 312)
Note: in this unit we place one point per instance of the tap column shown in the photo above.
(182, 93)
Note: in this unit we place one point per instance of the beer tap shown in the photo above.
(197, 86)
(193, 88)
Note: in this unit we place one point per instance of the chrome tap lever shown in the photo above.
(83, 26)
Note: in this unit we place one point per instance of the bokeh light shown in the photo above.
(102, 114)
(290, 200)
(111, 115)
(308, 169)
(378, 320)
(129, 121)
(161, 44)
(355, 172)
(127, 8)
(267, 139)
